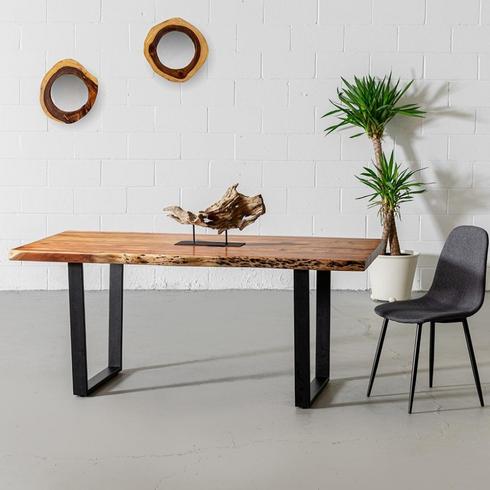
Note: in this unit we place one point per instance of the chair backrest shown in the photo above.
(460, 275)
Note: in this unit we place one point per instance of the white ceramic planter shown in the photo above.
(392, 277)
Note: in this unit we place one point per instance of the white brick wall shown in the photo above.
(251, 115)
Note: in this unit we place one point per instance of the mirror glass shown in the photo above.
(69, 93)
(175, 49)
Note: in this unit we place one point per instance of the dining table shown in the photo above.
(116, 249)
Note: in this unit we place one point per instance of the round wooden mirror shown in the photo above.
(172, 25)
(67, 67)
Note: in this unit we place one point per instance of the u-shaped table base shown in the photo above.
(306, 390)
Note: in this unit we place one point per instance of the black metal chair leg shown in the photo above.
(474, 367)
(415, 363)
(377, 356)
(431, 352)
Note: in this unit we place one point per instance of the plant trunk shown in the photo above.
(394, 243)
(378, 150)
(385, 215)
(385, 237)
(390, 234)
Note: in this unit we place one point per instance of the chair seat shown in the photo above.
(420, 310)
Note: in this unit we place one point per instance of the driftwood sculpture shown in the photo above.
(233, 210)
(171, 25)
(67, 67)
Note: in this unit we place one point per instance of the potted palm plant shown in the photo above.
(390, 186)
(369, 104)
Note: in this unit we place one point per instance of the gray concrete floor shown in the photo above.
(206, 399)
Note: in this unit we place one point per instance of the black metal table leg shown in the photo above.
(322, 361)
(115, 315)
(77, 329)
(306, 390)
(82, 385)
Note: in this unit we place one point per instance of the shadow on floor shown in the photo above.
(225, 379)
(239, 355)
(325, 400)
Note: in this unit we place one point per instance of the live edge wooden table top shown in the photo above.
(303, 253)
(300, 254)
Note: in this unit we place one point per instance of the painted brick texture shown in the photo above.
(251, 115)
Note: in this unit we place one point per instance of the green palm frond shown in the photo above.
(390, 185)
(370, 103)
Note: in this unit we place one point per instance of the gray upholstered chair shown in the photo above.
(457, 292)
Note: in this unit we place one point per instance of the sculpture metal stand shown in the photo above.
(206, 243)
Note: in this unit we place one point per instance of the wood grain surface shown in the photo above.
(67, 67)
(233, 210)
(306, 253)
(175, 25)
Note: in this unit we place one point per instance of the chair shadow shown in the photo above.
(327, 398)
